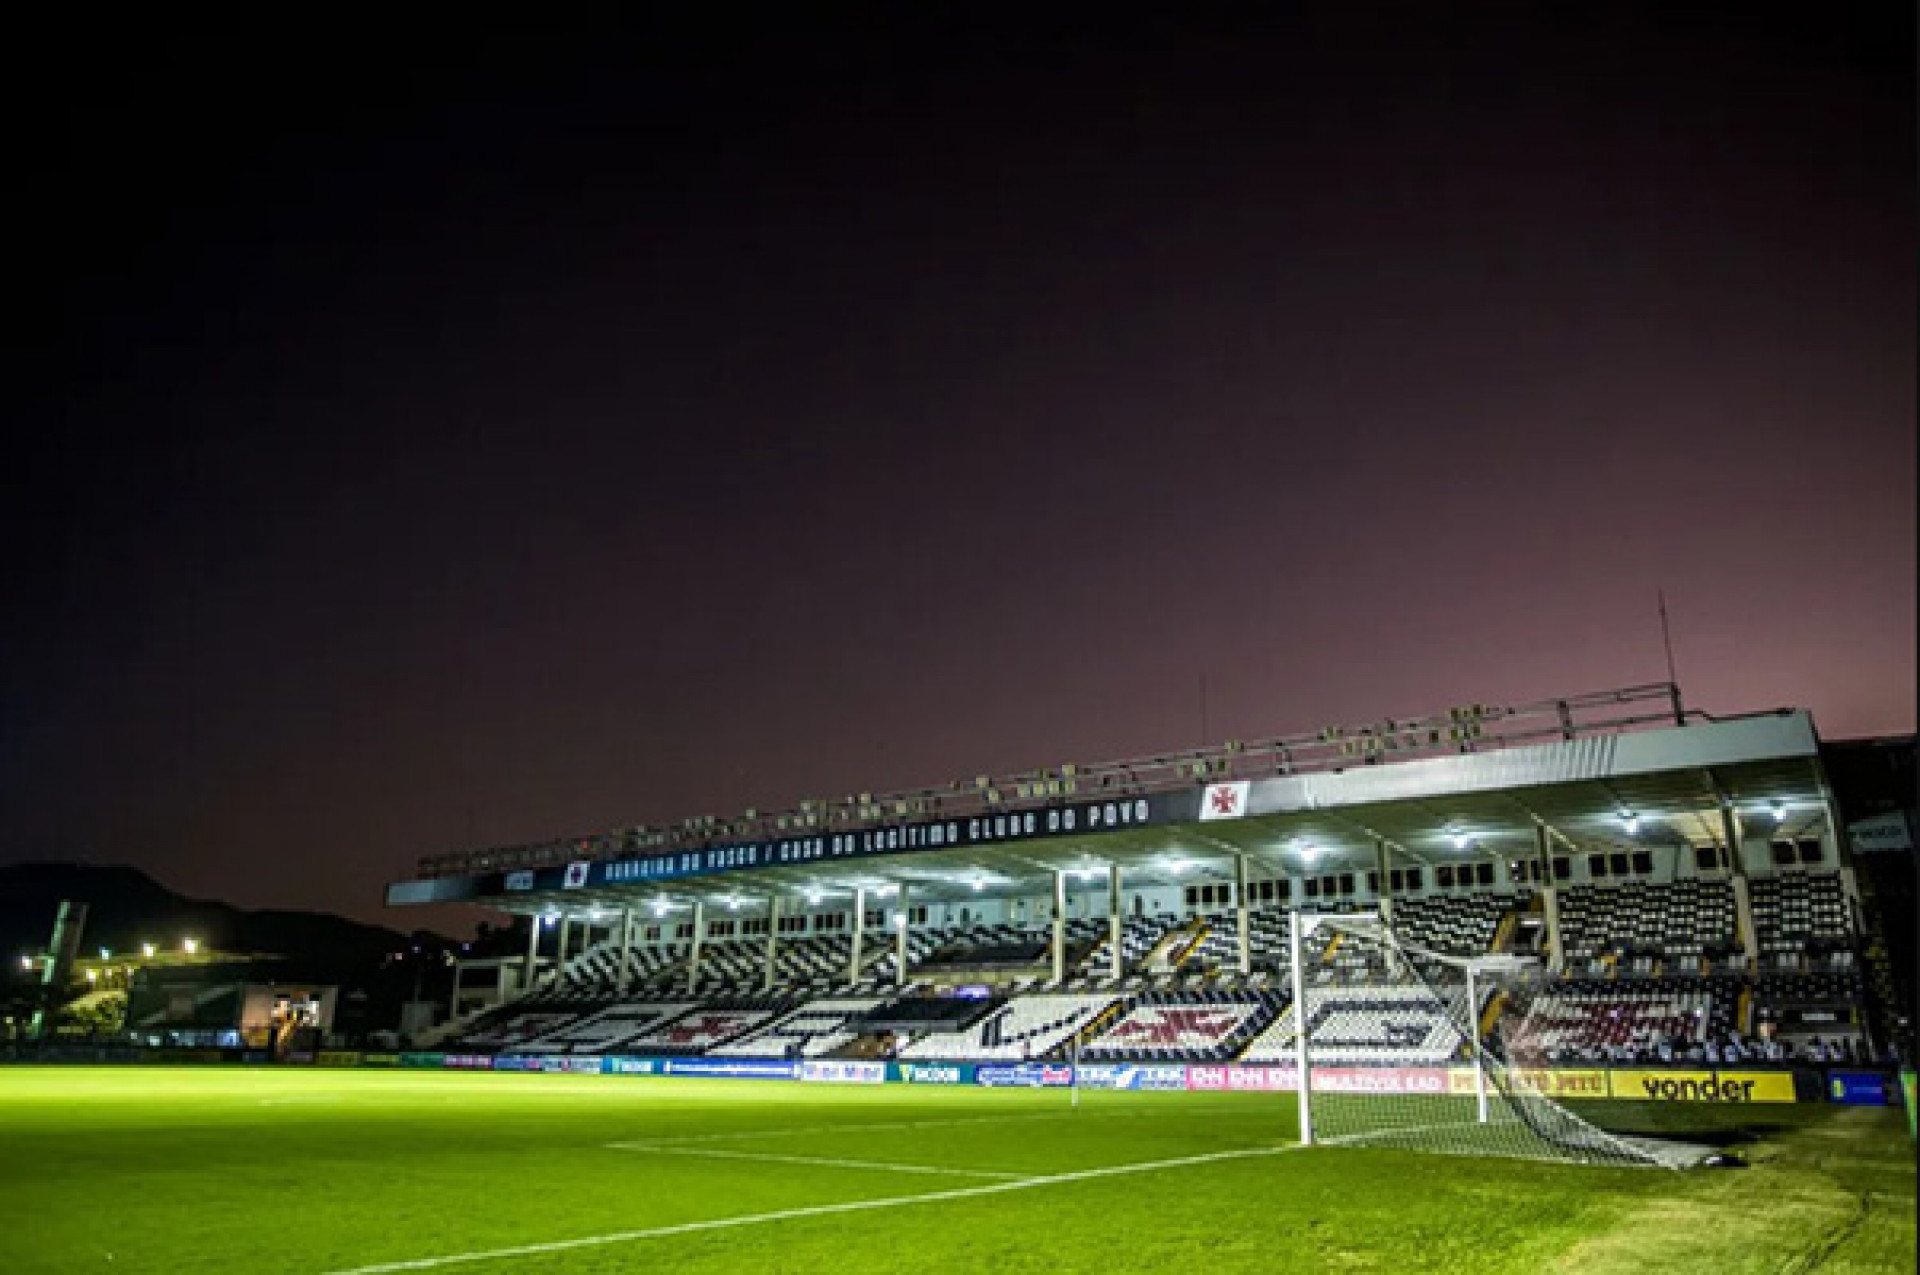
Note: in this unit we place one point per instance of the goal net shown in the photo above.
(1420, 1050)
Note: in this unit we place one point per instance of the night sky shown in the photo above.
(425, 442)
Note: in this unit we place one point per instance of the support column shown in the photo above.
(453, 997)
(560, 954)
(1116, 958)
(533, 952)
(773, 941)
(1383, 868)
(699, 937)
(900, 941)
(1550, 902)
(1059, 927)
(1742, 894)
(859, 933)
(626, 951)
(1242, 915)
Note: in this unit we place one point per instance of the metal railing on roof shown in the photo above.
(1467, 729)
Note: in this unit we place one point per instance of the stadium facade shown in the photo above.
(1690, 876)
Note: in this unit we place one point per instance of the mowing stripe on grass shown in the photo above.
(717, 1153)
(812, 1210)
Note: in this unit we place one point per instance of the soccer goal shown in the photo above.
(1399, 1046)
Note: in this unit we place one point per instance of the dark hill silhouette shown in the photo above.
(126, 907)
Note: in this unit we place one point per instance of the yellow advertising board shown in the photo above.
(1552, 1082)
(337, 1058)
(1703, 1086)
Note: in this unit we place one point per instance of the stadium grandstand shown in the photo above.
(1687, 884)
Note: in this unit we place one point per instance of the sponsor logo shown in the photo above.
(577, 874)
(519, 880)
(1026, 1076)
(1122, 1076)
(918, 1074)
(631, 1066)
(1224, 801)
(1547, 1082)
(1704, 1086)
(1379, 1080)
(468, 1062)
(748, 1069)
(1862, 1088)
(844, 1073)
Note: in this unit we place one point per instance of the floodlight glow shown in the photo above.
(979, 884)
(1779, 812)
(93, 976)
(26, 962)
(1632, 822)
(1176, 866)
(191, 946)
(1459, 838)
(1309, 852)
(106, 953)
(659, 907)
(813, 898)
(146, 949)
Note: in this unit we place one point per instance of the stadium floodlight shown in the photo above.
(146, 950)
(93, 976)
(26, 962)
(1460, 838)
(1779, 809)
(1307, 851)
(190, 946)
(106, 953)
(1631, 822)
(979, 884)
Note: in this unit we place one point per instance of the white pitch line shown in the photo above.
(716, 1153)
(814, 1210)
(739, 1134)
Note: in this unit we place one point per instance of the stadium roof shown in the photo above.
(1616, 771)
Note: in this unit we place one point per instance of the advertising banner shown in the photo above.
(423, 1060)
(337, 1058)
(731, 1069)
(1555, 1082)
(1702, 1086)
(1906, 1091)
(835, 1071)
(931, 1073)
(1130, 1076)
(379, 1060)
(1862, 1088)
(617, 1066)
(1024, 1076)
(1389, 1080)
(467, 1062)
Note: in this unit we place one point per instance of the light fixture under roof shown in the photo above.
(1779, 809)
(1460, 839)
(1631, 822)
(1307, 851)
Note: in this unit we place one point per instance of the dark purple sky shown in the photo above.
(493, 441)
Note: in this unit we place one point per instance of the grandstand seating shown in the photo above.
(1027, 1027)
(1623, 1020)
(814, 1030)
(1176, 1027)
(1684, 921)
(1459, 925)
(1646, 981)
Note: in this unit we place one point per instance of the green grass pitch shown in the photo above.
(310, 1170)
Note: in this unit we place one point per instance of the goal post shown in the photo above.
(1401, 1046)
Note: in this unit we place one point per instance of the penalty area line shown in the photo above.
(824, 1161)
(811, 1210)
